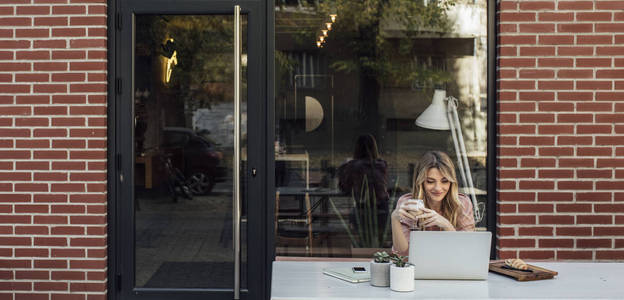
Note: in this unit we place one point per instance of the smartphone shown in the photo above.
(359, 269)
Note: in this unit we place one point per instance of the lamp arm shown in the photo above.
(449, 111)
(464, 167)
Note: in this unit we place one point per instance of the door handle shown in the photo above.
(236, 207)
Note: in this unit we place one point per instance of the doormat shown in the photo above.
(172, 274)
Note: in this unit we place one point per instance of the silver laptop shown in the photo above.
(450, 255)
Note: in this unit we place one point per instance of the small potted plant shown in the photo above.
(401, 274)
(380, 269)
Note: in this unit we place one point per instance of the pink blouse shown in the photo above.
(465, 219)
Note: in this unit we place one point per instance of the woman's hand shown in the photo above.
(407, 211)
(431, 218)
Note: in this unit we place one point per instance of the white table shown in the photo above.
(305, 280)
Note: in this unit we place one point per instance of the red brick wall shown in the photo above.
(52, 149)
(561, 129)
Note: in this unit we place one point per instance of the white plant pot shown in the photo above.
(402, 279)
(380, 273)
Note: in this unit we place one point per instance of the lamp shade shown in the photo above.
(435, 117)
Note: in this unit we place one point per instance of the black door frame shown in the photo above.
(119, 164)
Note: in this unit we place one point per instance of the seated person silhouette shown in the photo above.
(364, 178)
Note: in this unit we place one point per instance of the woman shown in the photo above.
(445, 209)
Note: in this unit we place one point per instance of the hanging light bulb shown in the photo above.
(328, 26)
(318, 44)
(333, 17)
(324, 31)
(321, 38)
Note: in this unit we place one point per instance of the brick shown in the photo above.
(556, 106)
(32, 33)
(605, 51)
(537, 254)
(573, 231)
(575, 28)
(535, 231)
(613, 27)
(537, 118)
(68, 275)
(556, 151)
(595, 106)
(594, 219)
(87, 43)
(68, 54)
(69, 253)
(555, 219)
(568, 254)
(609, 208)
(536, 96)
(67, 230)
(556, 243)
(51, 21)
(50, 241)
(594, 243)
(537, 27)
(555, 16)
(593, 196)
(536, 208)
(592, 173)
(537, 51)
(50, 286)
(516, 62)
(32, 99)
(87, 264)
(610, 255)
(537, 162)
(594, 39)
(593, 16)
(68, 77)
(517, 220)
(69, 32)
(68, 99)
(537, 140)
(609, 163)
(555, 173)
(516, 84)
(610, 118)
(536, 73)
(555, 85)
(593, 85)
(50, 198)
(555, 62)
(514, 173)
(88, 21)
(69, 9)
(50, 44)
(516, 243)
(579, 208)
(51, 264)
(556, 129)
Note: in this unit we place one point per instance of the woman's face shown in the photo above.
(436, 185)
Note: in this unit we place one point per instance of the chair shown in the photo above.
(292, 225)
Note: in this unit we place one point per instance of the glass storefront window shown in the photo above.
(351, 79)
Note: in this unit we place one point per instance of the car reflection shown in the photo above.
(195, 156)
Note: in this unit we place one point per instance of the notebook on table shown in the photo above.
(347, 274)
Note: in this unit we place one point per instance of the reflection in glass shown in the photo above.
(183, 109)
(350, 69)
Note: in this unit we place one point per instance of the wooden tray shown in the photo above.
(536, 274)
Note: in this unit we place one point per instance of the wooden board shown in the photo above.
(536, 274)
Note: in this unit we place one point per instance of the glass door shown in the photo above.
(184, 172)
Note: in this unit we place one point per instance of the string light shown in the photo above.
(329, 26)
(324, 31)
(333, 17)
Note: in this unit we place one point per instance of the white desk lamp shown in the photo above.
(440, 117)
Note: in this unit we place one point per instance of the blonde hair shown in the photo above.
(451, 206)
